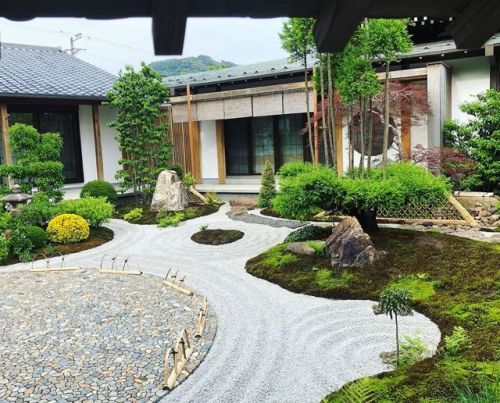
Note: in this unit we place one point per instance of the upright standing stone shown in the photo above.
(170, 193)
(349, 245)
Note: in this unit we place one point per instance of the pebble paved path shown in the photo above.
(271, 345)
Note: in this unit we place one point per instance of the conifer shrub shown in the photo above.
(268, 186)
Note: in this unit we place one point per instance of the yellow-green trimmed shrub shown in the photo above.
(68, 228)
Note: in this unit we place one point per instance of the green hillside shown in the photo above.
(175, 67)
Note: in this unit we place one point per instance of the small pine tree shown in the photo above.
(268, 186)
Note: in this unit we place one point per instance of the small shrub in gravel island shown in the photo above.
(308, 232)
(268, 186)
(217, 236)
(134, 214)
(96, 210)
(68, 228)
(99, 188)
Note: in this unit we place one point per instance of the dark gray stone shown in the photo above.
(350, 246)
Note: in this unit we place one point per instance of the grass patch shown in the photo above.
(326, 279)
(217, 236)
(152, 218)
(454, 281)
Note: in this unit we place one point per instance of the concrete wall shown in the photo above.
(87, 142)
(469, 77)
(208, 147)
(110, 150)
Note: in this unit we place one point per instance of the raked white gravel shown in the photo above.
(271, 345)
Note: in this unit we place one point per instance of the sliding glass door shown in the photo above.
(250, 142)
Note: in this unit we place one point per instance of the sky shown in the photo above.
(110, 44)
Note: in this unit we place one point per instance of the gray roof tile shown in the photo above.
(48, 72)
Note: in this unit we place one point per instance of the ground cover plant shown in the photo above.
(453, 281)
(216, 236)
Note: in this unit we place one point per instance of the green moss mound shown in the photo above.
(453, 281)
(217, 236)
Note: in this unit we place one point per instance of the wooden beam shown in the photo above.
(337, 22)
(476, 24)
(169, 25)
(338, 144)
(221, 151)
(190, 128)
(4, 130)
(410, 74)
(97, 142)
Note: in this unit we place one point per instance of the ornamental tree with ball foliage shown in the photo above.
(394, 301)
(268, 186)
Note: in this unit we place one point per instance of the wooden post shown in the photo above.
(315, 117)
(190, 128)
(97, 142)
(4, 129)
(405, 128)
(338, 143)
(221, 152)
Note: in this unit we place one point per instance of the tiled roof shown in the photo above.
(283, 66)
(48, 72)
(249, 71)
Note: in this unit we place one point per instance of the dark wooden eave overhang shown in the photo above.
(475, 21)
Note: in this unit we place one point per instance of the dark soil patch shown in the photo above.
(151, 218)
(271, 213)
(98, 236)
(217, 236)
(454, 281)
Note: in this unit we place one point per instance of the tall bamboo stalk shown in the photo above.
(331, 113)
(323, 112)
(386, 119)
(308, 109)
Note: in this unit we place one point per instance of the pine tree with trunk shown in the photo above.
(297, 39)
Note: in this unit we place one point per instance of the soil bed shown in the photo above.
(453, 281)
(217, 236)
(151, 218)
(98, 236)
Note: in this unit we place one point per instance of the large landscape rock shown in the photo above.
(170, 193)
(349, 245)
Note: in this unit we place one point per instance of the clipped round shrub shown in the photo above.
(99, 188)
(37, 236)
(68, 228)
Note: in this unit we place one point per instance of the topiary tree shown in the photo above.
(137, 96)
(392, 302)
(37, 160)
(268, 186)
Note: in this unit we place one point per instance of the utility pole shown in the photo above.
(72, 40)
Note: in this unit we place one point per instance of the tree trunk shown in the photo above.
(367, 219)
(351, 134)
(386, 119)
(331, 113)
(370, 136)
(397, 339)
(308, 110)
(361, 134)
(323, 113)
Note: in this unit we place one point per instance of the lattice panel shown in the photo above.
(420, 211)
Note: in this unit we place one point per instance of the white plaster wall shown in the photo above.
(469, 77)
(110, 150)
(87, 142)
(208, 146)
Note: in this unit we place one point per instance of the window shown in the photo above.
(249, 142)
(62, 120)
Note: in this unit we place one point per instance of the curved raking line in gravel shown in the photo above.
(271, 344)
